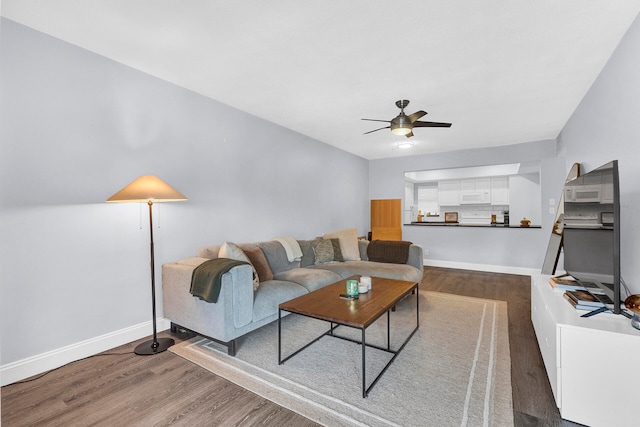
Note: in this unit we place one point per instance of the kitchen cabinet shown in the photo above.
(500, 191)
(449, 192)
(474, 191)
(467, 184)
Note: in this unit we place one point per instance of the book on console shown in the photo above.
(577, 306)
(566, 283)
(585, 298)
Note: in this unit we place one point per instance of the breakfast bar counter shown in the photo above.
(457, 224)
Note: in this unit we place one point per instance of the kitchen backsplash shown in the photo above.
(472, 214)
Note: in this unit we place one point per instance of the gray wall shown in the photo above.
(76, 128)
(520, 248)
(524, 199)
(606, 126)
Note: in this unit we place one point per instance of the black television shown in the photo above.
(591, 237)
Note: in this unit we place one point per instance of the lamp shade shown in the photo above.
(147, 188)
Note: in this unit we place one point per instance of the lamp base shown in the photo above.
(148, 348)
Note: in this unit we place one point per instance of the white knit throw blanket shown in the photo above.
(291, 246)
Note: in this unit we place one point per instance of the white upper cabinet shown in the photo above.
(449, 192)
(500, 191)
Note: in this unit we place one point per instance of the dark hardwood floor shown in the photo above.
(120, 388)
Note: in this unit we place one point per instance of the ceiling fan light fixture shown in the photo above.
(401, 131)
(401, 125)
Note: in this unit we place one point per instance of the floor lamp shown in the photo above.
(150, 189)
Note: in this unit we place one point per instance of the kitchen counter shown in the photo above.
(457, 224)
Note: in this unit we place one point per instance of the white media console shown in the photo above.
(591, 362)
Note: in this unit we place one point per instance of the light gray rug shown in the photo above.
(455, 371)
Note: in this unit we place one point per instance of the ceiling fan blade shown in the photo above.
(415, 116)
(431, 125)
(376, 120)
(375, 130)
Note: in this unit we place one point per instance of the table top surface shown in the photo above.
(326, 304)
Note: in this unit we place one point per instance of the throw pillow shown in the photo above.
(323, 251)
(232, 251)
(337, 253)
(308, 258)
(260, 263)
(391, 251)
(348, 243)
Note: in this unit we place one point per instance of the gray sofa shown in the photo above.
(239, 309)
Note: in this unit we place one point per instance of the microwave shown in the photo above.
(474, 197)
(583, 193)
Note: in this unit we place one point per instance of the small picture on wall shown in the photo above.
(451, 217)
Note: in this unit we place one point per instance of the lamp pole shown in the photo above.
(156, 345)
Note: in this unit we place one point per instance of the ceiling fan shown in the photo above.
(403, 124)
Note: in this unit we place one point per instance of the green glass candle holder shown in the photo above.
(352, 288)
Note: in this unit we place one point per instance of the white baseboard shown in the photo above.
(482, 267)
(34, 365)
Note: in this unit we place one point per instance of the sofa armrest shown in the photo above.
(219, 320)
(415, 258)
(362, 247)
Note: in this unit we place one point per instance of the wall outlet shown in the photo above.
(426, 252)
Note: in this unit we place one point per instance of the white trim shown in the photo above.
(482, 267)
(25, 368)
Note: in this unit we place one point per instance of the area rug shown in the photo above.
(455, 371)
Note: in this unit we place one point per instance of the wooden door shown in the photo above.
(386, 219)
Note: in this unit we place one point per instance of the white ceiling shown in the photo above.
(502, 71)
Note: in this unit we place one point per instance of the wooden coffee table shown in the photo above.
(326, 304)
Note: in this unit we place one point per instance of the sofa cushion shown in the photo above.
(192, 262)
(374, 269)
(272, 293)
(277, 256)
(311, 279)
(232, 251)
(259, 262)
(323, 251)
(308, 257)
(348, 239)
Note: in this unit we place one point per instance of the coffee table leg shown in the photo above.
(364, 381)
(388, 330)
(279, 337)
(417, 307)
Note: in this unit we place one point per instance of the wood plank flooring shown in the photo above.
(120, 388)
(124, 389)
